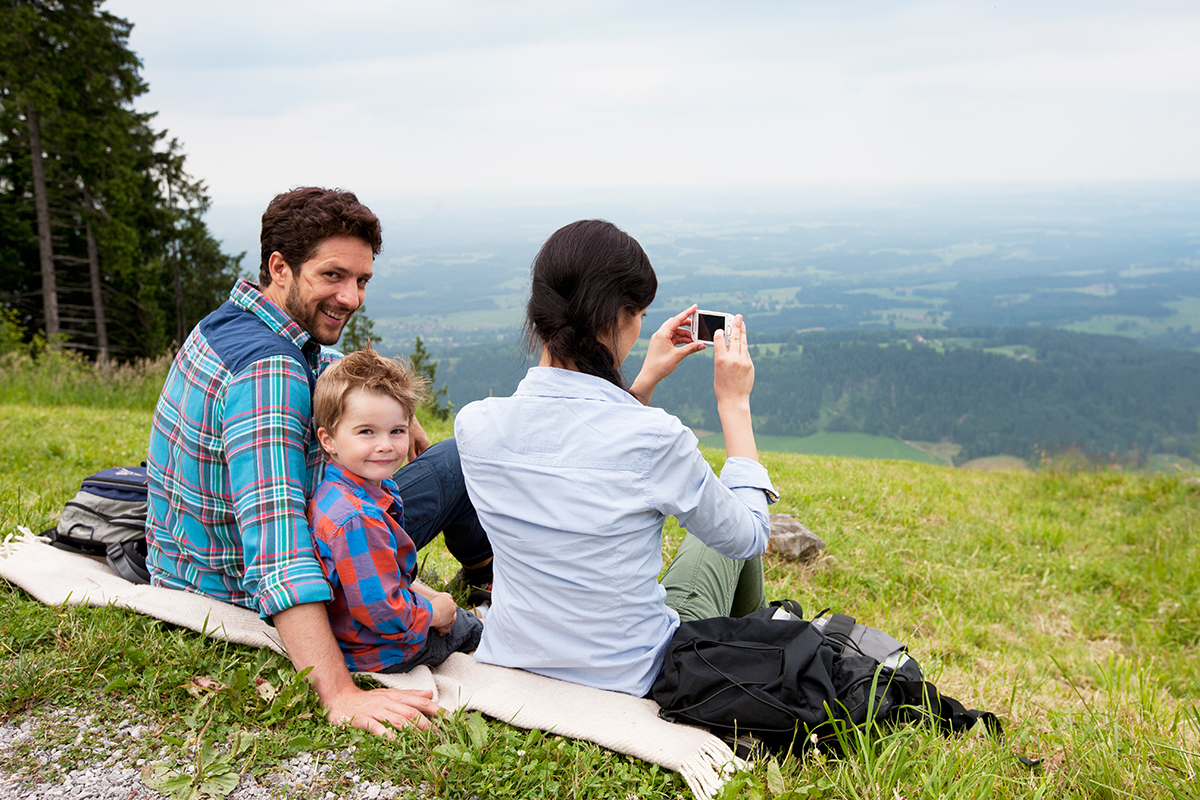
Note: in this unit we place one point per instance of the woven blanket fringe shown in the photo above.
(11, 544)
(708, 770)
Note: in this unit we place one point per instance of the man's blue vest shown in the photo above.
(240, 337)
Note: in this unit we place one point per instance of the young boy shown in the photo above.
(383, 621)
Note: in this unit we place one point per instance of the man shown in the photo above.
(233, 456)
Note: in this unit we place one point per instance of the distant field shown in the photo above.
(1186, 316)
(992, 463)
(1171, 465)
(852, 445)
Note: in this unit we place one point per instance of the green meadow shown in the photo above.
(1066, 600)
(849, 444)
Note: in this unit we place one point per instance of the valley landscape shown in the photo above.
(1020, 322)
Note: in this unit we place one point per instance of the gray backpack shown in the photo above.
(107, 517)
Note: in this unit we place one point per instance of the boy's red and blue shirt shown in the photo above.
(358, 534)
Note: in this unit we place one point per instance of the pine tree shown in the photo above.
(358, 333)
(425, 364)
(125, 262)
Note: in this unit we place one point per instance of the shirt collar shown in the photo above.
(248, 296)
(384, 496)
(555, 382)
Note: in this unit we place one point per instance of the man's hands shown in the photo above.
(418, 440)
(669, 345)
(308, 640)
(369, 709)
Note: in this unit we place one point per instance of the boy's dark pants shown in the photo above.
(463, 637)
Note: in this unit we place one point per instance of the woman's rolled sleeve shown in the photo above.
(728, 514)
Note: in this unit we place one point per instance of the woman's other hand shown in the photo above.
(669, 345)
(733, 379)
(733, 372)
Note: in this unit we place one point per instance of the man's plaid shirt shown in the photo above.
(231, 461)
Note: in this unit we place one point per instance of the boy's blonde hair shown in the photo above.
(365, 370)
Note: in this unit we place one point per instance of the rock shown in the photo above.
(791, 539)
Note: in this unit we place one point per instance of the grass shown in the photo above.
(847, 444)
(1068, 602)
(996, 463)
(51, 376)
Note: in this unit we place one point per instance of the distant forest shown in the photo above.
(1018, 391)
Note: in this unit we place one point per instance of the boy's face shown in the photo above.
(371, 438)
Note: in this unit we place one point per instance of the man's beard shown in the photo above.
(307, 317)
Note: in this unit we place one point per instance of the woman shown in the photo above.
(573, 476)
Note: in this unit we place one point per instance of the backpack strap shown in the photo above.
(950, 715)
(837, 630)
(790, 606)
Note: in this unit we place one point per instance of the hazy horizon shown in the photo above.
(466, 96)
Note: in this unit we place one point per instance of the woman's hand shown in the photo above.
(733, 371)
(733, 378)
(669, 345)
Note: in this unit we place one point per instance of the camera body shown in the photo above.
(707, 323)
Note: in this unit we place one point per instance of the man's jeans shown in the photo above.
(435, 501)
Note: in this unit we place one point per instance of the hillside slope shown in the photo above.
(1041, 596)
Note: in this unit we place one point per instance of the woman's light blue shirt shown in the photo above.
(572, 479)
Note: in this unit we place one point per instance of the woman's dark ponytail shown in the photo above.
(585, 276)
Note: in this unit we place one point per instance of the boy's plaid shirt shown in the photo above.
(232, 460)
(358, 532)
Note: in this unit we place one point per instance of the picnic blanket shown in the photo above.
(619, 722)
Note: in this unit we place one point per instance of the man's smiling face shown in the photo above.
(330, 286)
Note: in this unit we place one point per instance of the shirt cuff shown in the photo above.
(744, 473)
(292, 585)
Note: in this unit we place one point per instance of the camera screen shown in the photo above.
(707, 325)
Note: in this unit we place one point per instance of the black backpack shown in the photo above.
(790, 682)
(107, 517)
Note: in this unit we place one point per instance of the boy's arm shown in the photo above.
(367, 559)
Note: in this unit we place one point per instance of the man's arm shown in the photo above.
(309, 642)
(267, 418)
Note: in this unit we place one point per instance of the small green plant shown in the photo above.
(213, 772)
(12, 332)
(43, 374)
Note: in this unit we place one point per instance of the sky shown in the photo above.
(399, 99)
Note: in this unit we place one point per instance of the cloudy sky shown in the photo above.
(399, 98)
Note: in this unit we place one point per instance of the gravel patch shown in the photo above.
(62, 753)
